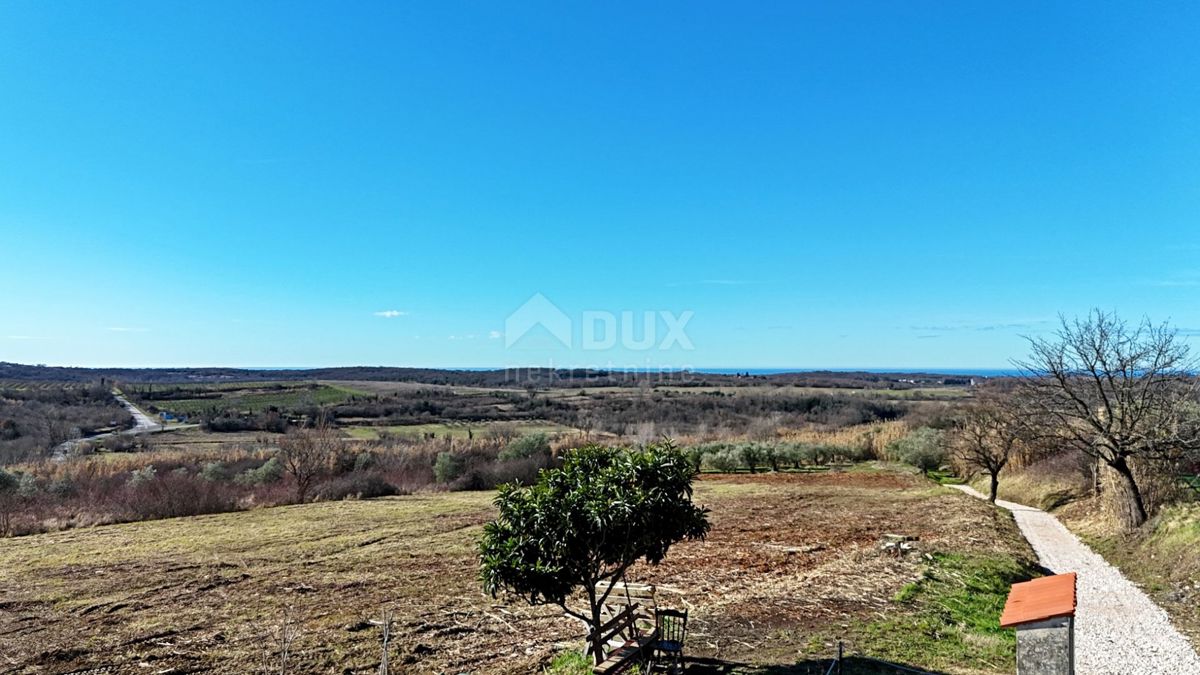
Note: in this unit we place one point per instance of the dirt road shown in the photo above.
(142, 424)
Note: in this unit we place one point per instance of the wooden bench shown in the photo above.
(623, 646)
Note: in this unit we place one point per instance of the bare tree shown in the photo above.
(986, 436)
(307, 454)
(1115, 392)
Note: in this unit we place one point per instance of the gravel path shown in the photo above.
(1118, 628)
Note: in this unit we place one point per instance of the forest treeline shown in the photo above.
(508, 377)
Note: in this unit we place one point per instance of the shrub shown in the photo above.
(271, 471)
(446, 468)
(118, 443)
(28, 486)
(8, 482)
(61, 488)
(519, 472)
(364, 461)
(141, 476)
(214, 471)
(175, 495)
(357, 485)
(855, 453)
(529, 445)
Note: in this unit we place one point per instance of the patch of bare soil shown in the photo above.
(804, 555)
(222, 594)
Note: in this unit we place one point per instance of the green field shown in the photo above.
(258, 398)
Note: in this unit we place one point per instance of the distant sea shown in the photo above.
(981, 372)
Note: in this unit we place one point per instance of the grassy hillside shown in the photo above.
(1163, 557)
(791, 566)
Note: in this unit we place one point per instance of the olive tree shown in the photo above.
(923, 448)
(587, 522)
(1114, 391)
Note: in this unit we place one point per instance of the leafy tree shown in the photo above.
(752, 455)
(772, 455)
(725, 460)
(588, 521)
(923, 448)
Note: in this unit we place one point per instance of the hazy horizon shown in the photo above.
(723, 370)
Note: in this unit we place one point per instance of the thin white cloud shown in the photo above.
(21, 337)
(495, 335)
(390, 313)
(1019, 324)
(126, 329)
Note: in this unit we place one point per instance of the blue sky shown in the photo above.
(811, 184)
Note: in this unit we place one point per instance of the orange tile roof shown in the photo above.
(1040, 599)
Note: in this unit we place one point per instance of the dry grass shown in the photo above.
(791, 564)
(874, 437)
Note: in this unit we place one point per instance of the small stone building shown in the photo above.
(1043, 613)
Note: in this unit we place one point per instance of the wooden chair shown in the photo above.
(671, 628)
